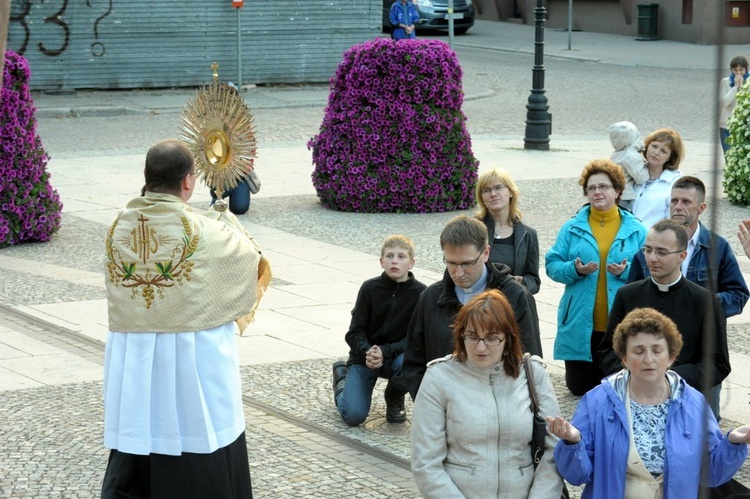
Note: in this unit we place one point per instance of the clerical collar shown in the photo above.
(466, 294)
(665, 287)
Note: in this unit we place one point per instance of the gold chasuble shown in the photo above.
(173, 268)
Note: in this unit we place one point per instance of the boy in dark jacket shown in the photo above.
(377, 334)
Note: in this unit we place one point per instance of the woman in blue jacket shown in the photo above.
(641, 432)
(590, 256)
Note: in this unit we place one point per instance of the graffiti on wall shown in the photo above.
(56, 30)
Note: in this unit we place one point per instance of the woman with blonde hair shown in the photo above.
(512, 242)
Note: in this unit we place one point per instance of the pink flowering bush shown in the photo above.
(393, 138)
(29, 206)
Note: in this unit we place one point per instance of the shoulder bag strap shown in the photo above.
(530, 382)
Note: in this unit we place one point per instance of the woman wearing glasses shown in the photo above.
(664, 152)
(511, 242)
(643, 431)
(472, 423)
(590, 257)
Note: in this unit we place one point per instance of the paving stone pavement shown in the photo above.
(297, 444)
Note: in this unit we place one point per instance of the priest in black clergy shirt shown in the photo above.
(695, 310)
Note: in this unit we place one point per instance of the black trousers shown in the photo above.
(582, 376)
(223, 474)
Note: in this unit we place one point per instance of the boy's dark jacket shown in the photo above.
(381, 316)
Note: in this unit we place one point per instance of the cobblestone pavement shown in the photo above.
(51, 436)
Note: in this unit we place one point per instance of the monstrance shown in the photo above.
(218, 128)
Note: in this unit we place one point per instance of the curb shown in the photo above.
(109, 111)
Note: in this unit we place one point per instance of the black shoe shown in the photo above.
(339, 377)
(394, 410)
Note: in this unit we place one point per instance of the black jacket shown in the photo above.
(430, 334)
(526, 249)
(698, 316)
(381, 316)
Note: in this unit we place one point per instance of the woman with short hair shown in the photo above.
(642, 431)
(729, 87)
(591, 257)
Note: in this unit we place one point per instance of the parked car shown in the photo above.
(432, 15)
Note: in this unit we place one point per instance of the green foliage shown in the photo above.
(737, 171)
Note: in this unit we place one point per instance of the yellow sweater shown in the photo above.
(604, 225)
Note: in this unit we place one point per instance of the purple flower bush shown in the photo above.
(29, 206)
(393, 138)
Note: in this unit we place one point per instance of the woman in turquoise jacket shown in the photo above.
(590, 256)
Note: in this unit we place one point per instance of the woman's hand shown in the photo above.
(740, 435)
(617, 268)
(587, 269)
(564, 430)
(744, 235)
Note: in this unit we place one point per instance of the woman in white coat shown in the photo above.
(728, 88)
(472, 422)
(664, 152)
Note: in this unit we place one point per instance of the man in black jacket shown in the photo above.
(468, 272)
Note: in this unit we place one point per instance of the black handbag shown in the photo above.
(539, 431)
(540, 425)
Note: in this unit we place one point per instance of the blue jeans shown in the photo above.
(354, 401)
(239, 197)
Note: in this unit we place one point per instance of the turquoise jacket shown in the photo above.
(575, 314)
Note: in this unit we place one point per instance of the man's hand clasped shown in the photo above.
(374, 357)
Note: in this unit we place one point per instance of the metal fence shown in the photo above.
(72, 44)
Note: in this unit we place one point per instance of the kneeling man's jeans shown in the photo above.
(354, 401)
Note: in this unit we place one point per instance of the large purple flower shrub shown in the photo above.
(393, 138)
(29, 206)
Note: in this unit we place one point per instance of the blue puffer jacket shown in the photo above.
(599, 460)
(575, 315)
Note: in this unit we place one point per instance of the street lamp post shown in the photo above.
(538, 118)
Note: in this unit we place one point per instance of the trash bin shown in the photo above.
(648, 21)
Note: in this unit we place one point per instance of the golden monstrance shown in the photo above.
(218, 128)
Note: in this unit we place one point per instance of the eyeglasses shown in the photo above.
(660, 253)
(463, 265)
(601, 187)
(495, 189)
(491, 340)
